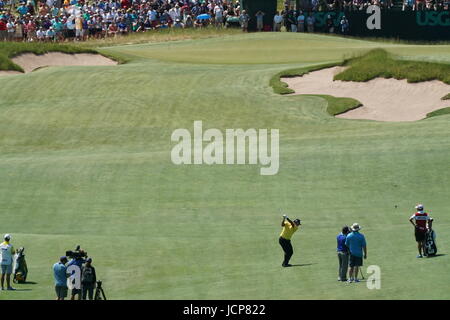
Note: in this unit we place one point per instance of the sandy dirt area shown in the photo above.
(30, 61)
(382, 99)
(8, 73)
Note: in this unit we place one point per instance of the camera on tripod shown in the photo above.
(77, 253)
(99, 293)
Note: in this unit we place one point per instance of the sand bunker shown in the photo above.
(8, 73)
(31, 61)
(382, 99)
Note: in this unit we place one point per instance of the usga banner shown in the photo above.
(373, 22)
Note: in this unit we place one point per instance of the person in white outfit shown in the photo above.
(6, 257)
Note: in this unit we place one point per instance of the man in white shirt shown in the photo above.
(175, 13)
(6, 257)
(40, 34)
(11, 27)
(218, 12)
(277, 20)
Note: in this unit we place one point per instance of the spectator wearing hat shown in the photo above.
(356, 242)
(244, 19)
(60, 276)
(289, 227)
(344, 25)
(343, 253)
(7, 252)
(88, 280)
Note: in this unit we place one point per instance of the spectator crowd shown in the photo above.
(61, 20)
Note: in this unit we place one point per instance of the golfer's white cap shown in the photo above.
(7, 236)
(355, 227)
(419, 206)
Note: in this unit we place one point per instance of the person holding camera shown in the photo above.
(289, 228)
(74, 268)
(88, 280)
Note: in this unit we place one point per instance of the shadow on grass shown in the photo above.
(302, 265)
(17, 290)
(437, 255)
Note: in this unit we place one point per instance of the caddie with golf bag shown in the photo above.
(419, 220)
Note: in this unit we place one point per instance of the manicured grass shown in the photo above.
(85, 159)
(447, 97)
(379, 63)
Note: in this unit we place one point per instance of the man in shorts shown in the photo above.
(243, 20)
(419, 221)
(259, 20)
(60, 275)
(6, 259)
(356, 242)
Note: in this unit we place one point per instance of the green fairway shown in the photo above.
(85, 159)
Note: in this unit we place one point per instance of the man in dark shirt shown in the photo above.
(342, 251)
(88, 280)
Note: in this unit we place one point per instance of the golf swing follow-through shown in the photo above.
(289, 227)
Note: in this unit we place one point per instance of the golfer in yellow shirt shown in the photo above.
(289, 227)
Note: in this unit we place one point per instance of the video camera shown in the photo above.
(77, 253)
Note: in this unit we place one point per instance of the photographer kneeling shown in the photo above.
(88, 280)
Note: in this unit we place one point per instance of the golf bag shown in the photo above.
(430, 248)
(20, 267)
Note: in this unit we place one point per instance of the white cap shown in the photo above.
(355, 227)
(7, 236)
(419, 207)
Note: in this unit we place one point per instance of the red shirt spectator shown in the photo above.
(125, 4)
(2, 25)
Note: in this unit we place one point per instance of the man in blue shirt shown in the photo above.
(356, 242)
(60, 275)
(343, 253)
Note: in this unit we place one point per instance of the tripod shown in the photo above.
(99, 293)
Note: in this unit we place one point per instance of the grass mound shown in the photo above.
(447, 97)
(11, 49)
(439, 112)
(380, 64)
(338, 105)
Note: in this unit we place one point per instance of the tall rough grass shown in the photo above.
(378, 63)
